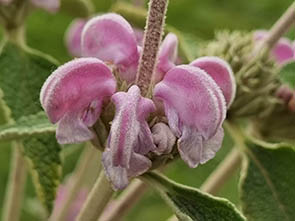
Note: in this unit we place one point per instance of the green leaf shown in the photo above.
(287, 74)
(42, 151)
(190, 204)
(267, 183)
(77, 8)
(27, 126)
(22, 73)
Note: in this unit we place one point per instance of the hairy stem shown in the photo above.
(121, 206)
(280, 27)
(152, 39)
(76, 182)
(222, 173)
(15, 186)
(97, 199)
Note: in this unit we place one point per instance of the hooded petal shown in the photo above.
(49, 5)
(73, 37)
(195, 108)
(283, 51)
(167, 56)
(73, 94)
(221, 73)
(130, 137)
(110, 38)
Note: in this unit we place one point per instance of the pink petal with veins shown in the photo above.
(195, 108)
(221, 73)
(49, 5)
(73, 37)
(283, 51)
(167, 56)
(110, 38)
(73, 95)
(129, 139)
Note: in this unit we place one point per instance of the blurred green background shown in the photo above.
(200, 18)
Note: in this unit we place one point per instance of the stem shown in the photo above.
(97, 199)
(280, 27)
(15, 186)
(125, 202)
(152, 39)
(76, 182)
(222, 173)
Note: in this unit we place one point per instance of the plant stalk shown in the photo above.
(223, 172)
(151, 44)
(280, 28)
(97, 199)
(15, 186)
(75, 183)
(121, 206)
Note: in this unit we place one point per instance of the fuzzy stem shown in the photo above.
(280, 27)
(152, 39)
(125, 202)
(222, 173)
(76, 182)
(97, 199)
(15, 186)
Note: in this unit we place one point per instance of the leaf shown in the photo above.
(42, 152)
(77, 8)
(190, 204)
(287, 74)
(22, 74)
(267, 183)
(27, 126)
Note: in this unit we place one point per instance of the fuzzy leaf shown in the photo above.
(287, 74)
(42, 152)
(27, 126)
(267, 184)
(22, 74)
(190, 204)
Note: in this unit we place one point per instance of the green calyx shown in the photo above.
(257, 80)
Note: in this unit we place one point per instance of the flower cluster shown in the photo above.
(49, 5)
(188, 102)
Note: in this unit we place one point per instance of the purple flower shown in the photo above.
(194, 98)
(130, 138)
(110, 38)
(73, 37)
(195, 108)
(283, 51)
(221, 73)
(72, 96)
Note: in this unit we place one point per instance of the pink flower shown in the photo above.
(110, 38)
(194, 98)
(195, 108)
(130, 138)
(73, 37)
(221, 73)
(283, 50)
(73, 95)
